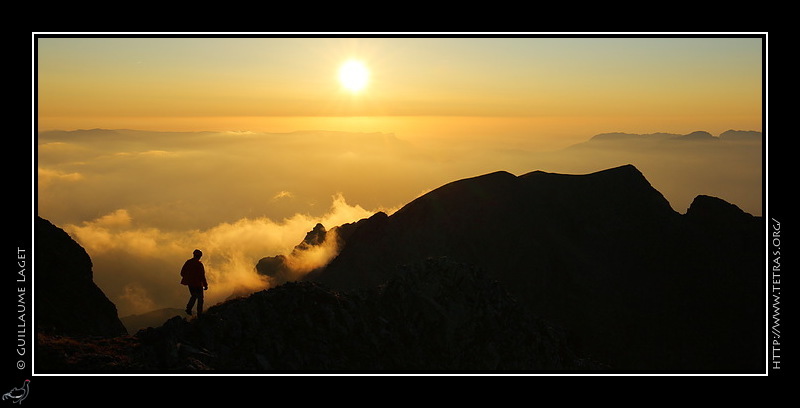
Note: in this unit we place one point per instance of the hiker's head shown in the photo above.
(197, 253)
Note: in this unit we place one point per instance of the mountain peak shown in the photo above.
(468, 216)
(622, 188)
(314, 237)
(626, 173)
(622, 170)
(625, 170)
(714, 208)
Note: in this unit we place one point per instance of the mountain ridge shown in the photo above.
(698, 135)
(600, 253)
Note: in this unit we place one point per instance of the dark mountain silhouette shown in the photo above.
(603, 255)
(539, 272)
(438, 315)
(68, 302)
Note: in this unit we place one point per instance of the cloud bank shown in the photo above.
(139, 268)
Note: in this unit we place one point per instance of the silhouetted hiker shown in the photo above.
(194, 276)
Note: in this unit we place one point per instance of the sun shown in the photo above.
(354, 75)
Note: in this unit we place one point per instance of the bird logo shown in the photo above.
(18, 394)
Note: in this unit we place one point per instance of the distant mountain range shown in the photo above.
(541, 271)
(700, 135)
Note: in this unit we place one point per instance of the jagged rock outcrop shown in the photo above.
(68, 302)
(633, 282)
(278, 267)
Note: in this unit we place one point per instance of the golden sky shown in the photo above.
(260, 84)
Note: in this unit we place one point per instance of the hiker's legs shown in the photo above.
(190, 305)
(199, 296)
(196, 296)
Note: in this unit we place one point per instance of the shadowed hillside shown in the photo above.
(67, 300)
(603, 255)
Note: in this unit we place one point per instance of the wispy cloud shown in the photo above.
(283, 194)
(46, 176)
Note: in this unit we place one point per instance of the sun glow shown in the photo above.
(354, 75)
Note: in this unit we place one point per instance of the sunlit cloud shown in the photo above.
(153, 153)
(119, 218)
(231, 251)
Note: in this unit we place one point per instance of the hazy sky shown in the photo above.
(238, 146)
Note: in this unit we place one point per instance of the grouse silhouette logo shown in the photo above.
(18, 394)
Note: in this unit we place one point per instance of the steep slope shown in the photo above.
(68, 302)
(603, 255)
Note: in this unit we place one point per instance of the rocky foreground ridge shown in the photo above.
(437, 315)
